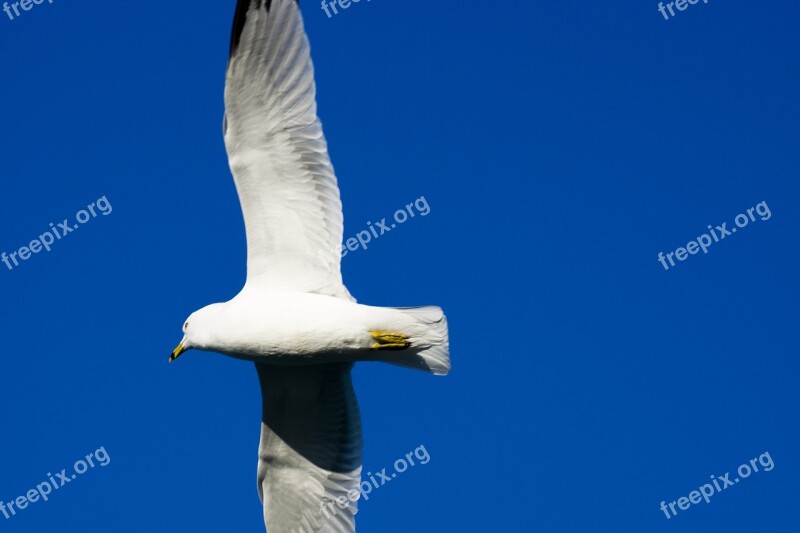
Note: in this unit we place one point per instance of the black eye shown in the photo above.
(186, 325)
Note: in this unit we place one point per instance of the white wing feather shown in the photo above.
(278, 154)
(310, 452)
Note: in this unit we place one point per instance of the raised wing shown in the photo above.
(278, 154)
(310, 452)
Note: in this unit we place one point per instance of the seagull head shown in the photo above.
(197, 331)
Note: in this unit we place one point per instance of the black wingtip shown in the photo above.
(240, 17)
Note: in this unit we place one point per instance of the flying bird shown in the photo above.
(294, 317)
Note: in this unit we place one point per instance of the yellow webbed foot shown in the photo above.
(389, 340)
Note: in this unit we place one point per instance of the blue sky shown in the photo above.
(560, 146)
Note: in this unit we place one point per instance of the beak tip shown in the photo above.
(177, 352)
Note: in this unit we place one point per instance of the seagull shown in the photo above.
(294, 318)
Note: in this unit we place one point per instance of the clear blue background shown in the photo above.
(560, 145)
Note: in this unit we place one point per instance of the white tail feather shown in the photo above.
(430, 345)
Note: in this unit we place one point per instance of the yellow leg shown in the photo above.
(389, 340)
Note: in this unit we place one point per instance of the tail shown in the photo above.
(429, 348)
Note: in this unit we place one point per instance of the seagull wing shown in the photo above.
(278, 154)
(310, 452)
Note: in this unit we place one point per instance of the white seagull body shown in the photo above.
(294, 317)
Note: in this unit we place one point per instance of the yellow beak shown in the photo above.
(177, 352)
